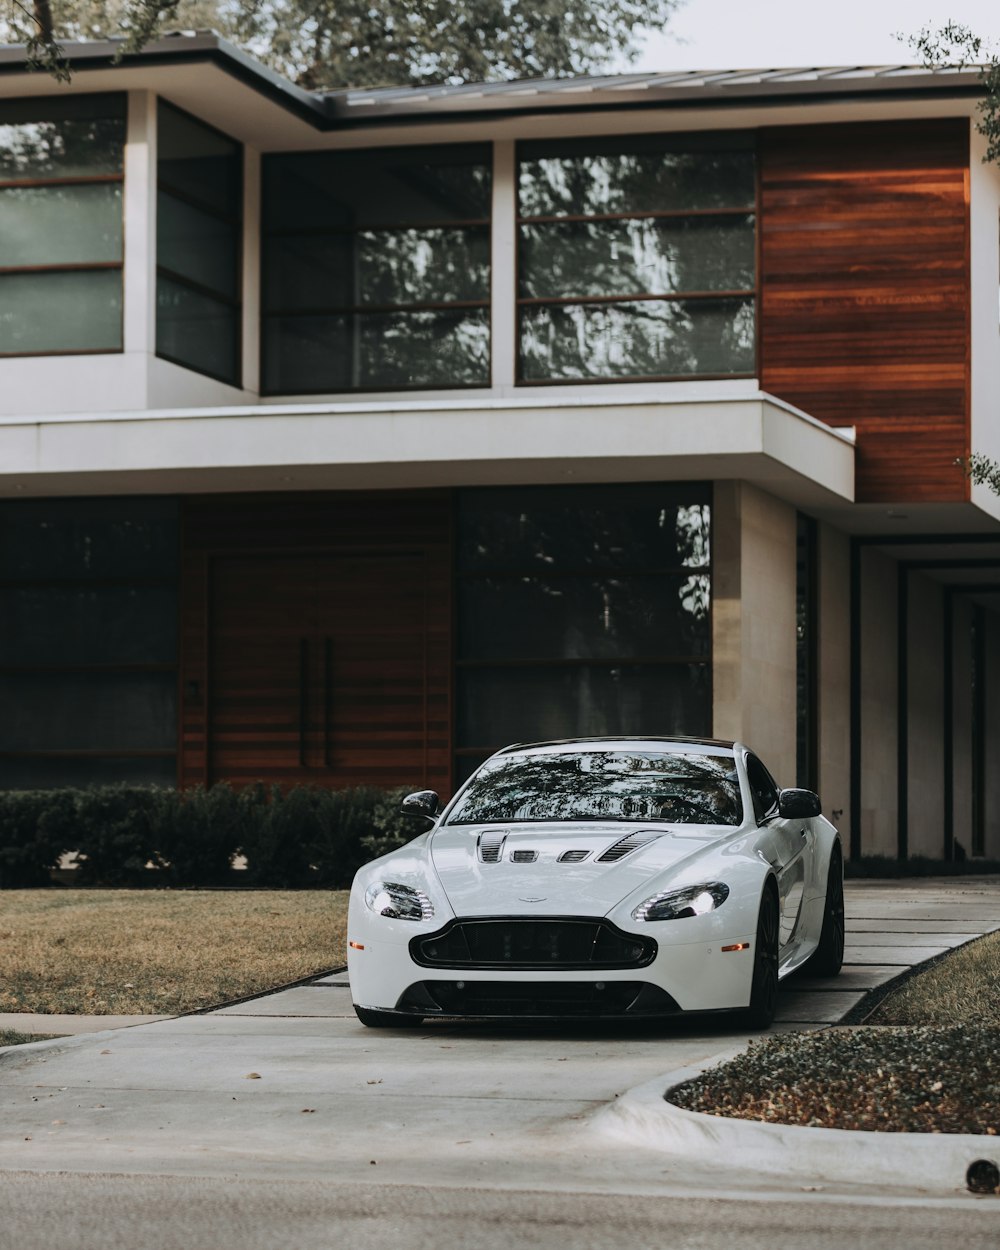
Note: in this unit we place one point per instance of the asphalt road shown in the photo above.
(169, 1213)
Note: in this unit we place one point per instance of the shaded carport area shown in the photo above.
(925, 695)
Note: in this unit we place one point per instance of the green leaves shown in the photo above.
(333, 44)
(957, 46)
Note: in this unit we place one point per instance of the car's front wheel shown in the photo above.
(372, 1018)
(764, 988)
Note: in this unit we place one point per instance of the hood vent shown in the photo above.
(491, 846)
(523, 857)
(625, 846)
(572, 857)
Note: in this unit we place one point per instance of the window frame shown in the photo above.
(462, 664)
(236, 222)
(118, 100)
(98, 668)
(360, 310)
(672, 142)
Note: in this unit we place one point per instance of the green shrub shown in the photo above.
(37, 827)
(196, 833)
(114, 834)
(277, 834)
(306, 836)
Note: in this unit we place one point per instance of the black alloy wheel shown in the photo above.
(372, 1018)
(764, 989)
(828, 958)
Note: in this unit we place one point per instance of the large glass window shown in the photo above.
(61, 225)
(88, 641)
(582, 610)
(198, 245)
(376, 270)
(636, 258)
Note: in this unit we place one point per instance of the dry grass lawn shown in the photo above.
(111, 952)
(962, 988)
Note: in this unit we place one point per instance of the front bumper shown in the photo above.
(668, 978)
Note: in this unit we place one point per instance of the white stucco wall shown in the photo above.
(753, 626)
(878, 705)
(984, 222)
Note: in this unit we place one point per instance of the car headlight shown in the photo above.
(695, 900)
(398, 902)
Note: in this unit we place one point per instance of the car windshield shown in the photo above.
(676, 787)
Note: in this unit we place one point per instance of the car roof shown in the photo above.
(554, 745)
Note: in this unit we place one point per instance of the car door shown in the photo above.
(785, 845)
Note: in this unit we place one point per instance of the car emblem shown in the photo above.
(541, 899)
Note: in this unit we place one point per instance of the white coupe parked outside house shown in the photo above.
(600, 878)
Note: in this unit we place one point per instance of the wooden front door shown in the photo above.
(318, 668)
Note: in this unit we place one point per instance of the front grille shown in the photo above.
(553, 998)
(530, 943)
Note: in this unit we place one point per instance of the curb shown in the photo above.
(927, 1161)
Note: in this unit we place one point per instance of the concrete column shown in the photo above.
(753, 624)
(925, 702)
(962, 722)
(834, 683)
(503, 289)
(140, 224)
(878, 704)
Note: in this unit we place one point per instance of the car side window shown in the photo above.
(763, 790)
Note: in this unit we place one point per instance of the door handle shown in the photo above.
(327, 697)
(303, 697)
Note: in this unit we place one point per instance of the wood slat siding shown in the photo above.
(316, 639)
(864, 271)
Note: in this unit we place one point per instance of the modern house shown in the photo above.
(345, 437)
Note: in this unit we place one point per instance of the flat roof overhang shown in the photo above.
(414, 443)
(209, 76)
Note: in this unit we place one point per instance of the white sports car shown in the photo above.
(600, 877)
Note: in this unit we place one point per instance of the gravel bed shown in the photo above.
(901, 1079)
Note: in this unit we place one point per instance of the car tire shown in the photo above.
(372, 1018)
(828, 958)
(764, 987)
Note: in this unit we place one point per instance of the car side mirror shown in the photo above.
(799, 804)
(422, 804)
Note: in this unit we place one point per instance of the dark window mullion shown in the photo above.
(71, 180)
(655, 214)
(360, 310)
(633, 661)
(396, 227)
(534, 301)
(201, 206)
(604, 572)
(207, 291)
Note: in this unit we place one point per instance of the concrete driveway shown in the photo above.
(291, 1085)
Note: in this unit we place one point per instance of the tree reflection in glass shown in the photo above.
(612, 785)
(627, 246)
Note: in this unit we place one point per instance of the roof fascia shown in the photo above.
(201, 48)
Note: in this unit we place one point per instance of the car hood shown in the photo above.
(548, 886)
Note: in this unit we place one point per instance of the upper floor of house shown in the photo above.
(187, 232)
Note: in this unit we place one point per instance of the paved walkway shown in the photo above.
(891, 927)
(291, 1084)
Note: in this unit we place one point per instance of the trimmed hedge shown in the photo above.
(302, 837)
